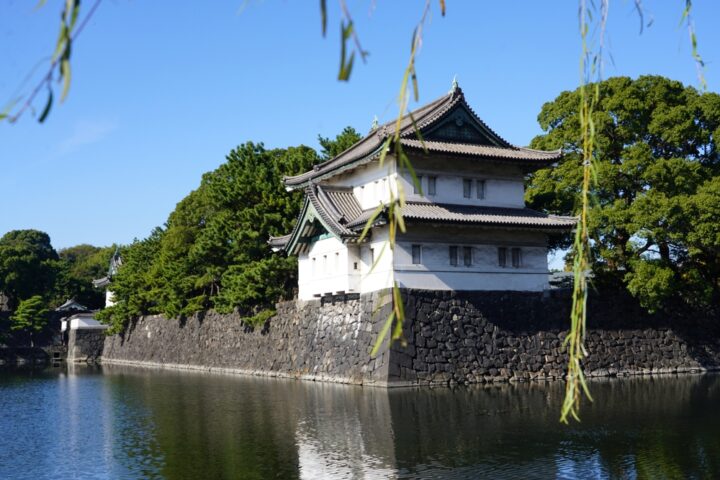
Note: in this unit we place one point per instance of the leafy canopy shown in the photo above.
(27, 264)
(657, 195)
(213, 251)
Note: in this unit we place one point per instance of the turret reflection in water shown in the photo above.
(234, 427)
(121, 422)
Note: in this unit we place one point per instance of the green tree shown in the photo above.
(333, 147)
(27, 264)
(657, 167)
(77, 267)
(31, 316)
(213, 251)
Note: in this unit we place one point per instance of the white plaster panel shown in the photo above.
(371, 183)
(518, 280)
(436, 256)
(324, 269)
(501, 192)
(85, 322)
(382, 275)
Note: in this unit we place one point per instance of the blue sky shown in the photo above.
(163, 90)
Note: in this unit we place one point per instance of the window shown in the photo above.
(481, 189)
(502, 257)
(417, 187)
(416, 254)
(516, 258)
(314, 266)
(467, 188)
(453, 256)
(355, 265)
(372, 257)
(337, 262)
(467, 256)
(432, 181)
(325, 264)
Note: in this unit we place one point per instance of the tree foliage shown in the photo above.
(78, 266)
(213, 251)
(333, 147)
(657, 195)
(27, 265)
(31, 316)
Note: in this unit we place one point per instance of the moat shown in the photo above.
(121, 422)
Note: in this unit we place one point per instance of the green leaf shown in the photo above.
(48, 105)
(75, 12)
(383, 333)
(61, 41)
(346, 63)
(65, 72)
(323, 16)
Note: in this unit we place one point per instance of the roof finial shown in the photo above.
(375, 124)
(454, 86)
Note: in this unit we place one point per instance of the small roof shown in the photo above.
(72, 306)
(101, 282)
(447, 125)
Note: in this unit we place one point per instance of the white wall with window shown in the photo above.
(463, 266)
(438, 187)
(371, 183)
(330, 266)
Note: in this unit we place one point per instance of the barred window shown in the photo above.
(516, 258)
(453, 256)
(467, 256)
(417, 187)
(481, 189)
(432, 181)
(502, 257)
(467, 188)
(416, 254)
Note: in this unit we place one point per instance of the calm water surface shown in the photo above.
(118, 422)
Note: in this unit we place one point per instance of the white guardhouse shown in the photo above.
(467, 226)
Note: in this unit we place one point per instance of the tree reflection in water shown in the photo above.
(131, 422)
(233, 426)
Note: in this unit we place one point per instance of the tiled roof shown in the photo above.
(516, 153)
(331, 214)
(277, 243)
(500, 216)
(336, 207)
(341, 214)
(422, 119)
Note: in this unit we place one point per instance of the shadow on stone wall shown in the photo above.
(474, 337)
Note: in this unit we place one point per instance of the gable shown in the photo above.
(460, 125)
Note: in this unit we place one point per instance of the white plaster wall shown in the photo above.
(333, 269)
(500, 191)
(85, 322)
(516, 280)
(109, 298)
(382, 275)
(371, 183)
(436, 273)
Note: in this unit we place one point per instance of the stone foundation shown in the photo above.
(328, 341)
(451, 337)
(476, 337)
(85, 345)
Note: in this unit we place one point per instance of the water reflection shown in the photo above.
(134, 423)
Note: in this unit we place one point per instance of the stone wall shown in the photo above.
(85, 345)
(473, 337)
(451, 337)
(329, 342)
